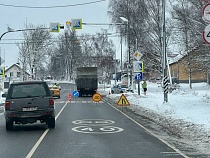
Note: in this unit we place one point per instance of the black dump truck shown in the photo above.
(87, 80)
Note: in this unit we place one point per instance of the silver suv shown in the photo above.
(28, 102)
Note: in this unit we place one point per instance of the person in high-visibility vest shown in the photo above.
(55, 85)
(144, 86)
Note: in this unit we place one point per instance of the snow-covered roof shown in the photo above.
(17, 65)
(179, 56)
(175, 59)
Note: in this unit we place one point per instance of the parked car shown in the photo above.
(119, 89)
(28, 102)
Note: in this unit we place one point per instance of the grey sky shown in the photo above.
(17, 17)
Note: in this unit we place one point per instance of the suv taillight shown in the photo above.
(7, 105)
(51, 101)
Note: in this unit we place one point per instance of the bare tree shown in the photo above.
(33, 50)
(189, 26)
(98, 50)
(144, 26)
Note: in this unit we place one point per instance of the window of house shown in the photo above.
(11, 73)
(18, 74)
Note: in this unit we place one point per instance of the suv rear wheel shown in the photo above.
(51, 122)
(9, 125)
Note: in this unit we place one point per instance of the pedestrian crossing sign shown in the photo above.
(123, 101)
(1, 71)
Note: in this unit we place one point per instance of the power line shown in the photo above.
(61, 6)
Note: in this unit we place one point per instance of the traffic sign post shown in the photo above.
(76, 24)
(206, 18)
(123, 101)
(75, 94)
(206, 13)
(137, 55)
(1, 71)
(206, 34)
(138, 66)
(55, 27)
(68, 24)
(139, 76)
(96, 97)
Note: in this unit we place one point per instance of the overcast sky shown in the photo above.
(16, 18)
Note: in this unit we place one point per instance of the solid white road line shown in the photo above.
(30, 154)
(171, 146)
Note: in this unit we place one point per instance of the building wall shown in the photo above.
(179, 70)
(13, 74)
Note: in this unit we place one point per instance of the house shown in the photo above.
(14, 73)
(181, 70)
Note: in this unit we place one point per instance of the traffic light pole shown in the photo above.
(18, 31)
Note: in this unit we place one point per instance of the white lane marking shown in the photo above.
(93, 122)
(89, 102)
(30, 154)
(97, 130)
(153, 134)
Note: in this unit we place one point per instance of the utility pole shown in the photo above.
(188, 53)
(165, 77)
(121, 53)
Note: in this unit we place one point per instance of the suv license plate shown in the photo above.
(30, 109)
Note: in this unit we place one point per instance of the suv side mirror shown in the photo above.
(4, 95)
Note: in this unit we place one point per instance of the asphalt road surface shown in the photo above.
(84, 129)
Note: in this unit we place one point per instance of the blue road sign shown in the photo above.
(54, 27)
(138, 66)
(76, 24)
(138, 76)
(75, 94)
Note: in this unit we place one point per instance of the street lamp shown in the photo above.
(128, 40)
(12, 30)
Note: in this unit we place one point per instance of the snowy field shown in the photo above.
(186, 115)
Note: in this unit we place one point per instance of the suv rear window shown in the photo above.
(28, 90)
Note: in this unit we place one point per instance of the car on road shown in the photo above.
(29, 102)
(3, 98)
(116, 89)
(55, 90)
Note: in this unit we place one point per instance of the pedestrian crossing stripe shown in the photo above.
(123, 101)
(60, 101)
(86, 102)
(83, 102)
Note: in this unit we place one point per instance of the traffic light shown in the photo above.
(1, 71)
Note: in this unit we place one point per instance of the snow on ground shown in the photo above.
(186, 115)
